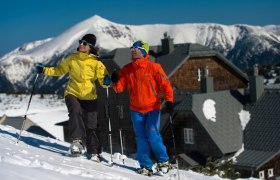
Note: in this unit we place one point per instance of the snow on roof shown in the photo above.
(209, 110)
(48, 121)
(44, 112)
(244, 117)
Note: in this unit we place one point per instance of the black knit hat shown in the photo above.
(90, 38)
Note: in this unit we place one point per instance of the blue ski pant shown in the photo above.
(146, 128)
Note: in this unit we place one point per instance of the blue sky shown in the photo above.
(29, 20)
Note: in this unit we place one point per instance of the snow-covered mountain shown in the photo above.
(244, 45)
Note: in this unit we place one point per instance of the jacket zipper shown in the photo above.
(153, 89)
(93, 84)
(69, 85)
(138, 87)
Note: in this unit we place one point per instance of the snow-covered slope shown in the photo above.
(15, 105)
(36, 157)
(243, 44)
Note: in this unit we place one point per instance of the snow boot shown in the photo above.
(76, 147)
(164, 167)
(145, 171)
(95, 158)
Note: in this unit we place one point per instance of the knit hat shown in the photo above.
(90, 38)
(142, 46)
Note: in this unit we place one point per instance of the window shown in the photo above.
(199, 74)
(261, 174)
(188, 136)
(270, 172)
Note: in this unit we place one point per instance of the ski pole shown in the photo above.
(120, 116)
(109, 121)
(24, 119)
(174, 145)
(120, 131)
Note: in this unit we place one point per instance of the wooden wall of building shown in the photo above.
(272, 164)
(186, 77)
(202, 141)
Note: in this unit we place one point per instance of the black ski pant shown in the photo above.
(83, 122)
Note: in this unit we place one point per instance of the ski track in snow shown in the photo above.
(51, 157)
(37, 157)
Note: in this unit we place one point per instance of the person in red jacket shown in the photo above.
(145, 80)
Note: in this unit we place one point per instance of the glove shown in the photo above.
(115, 77)
(39, 68)
(169, 106)
(107, 80)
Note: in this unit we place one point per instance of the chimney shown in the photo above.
(256, 85)
(167, 44)
(207, 85)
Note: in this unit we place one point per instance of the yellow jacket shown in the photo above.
(84, 70)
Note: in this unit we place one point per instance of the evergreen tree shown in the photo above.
(216, 167)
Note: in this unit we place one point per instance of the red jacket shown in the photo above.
(144, 79)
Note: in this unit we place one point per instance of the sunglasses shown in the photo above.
(136, 47)
(84, 43)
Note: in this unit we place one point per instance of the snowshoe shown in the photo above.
(76, 147)
(164, 167)
(145, 171)
(95, 158)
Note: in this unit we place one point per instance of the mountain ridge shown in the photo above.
(244, 45)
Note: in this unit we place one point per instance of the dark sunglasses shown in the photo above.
(85, 43)
(135, 47)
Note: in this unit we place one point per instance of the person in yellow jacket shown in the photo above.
(84, 69)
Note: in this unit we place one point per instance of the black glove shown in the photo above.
(39, 68)
(115, 77)
(169, 106)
